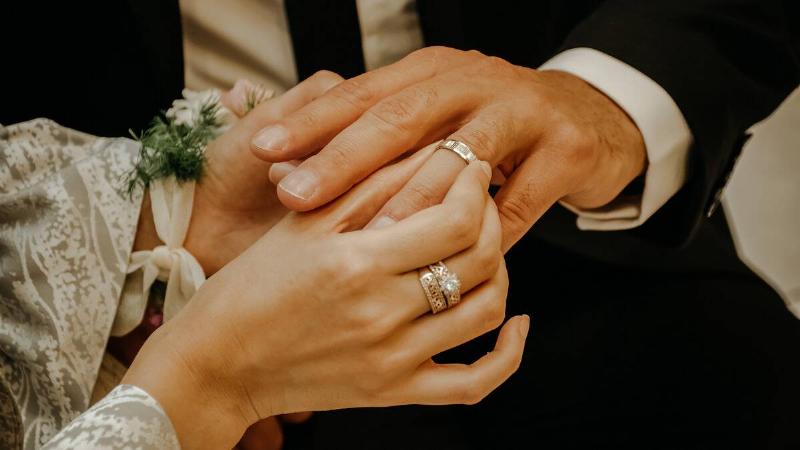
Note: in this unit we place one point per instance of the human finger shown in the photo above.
(435, 233)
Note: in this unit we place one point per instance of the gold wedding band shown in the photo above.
(449, 283)
(430, 284)
(442, 287)
(459, 148)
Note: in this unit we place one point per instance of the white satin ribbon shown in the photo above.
(172, 210)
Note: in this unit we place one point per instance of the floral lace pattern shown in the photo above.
(66, 232)
(126, 418)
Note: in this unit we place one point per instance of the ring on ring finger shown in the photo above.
(459, 148)
(433, 292)
(449, 283)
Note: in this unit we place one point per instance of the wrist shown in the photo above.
(620, 155)
(203, 412)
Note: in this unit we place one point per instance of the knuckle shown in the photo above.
(438, 57)
(472, 392)
(476, 53)
(569, 133)
(306, 119)
(380, 368)
(435, 51)
(465, 228)
(364, 321)
(426, 96)
(339, 153)
(358, 268)
(399, 111)
(375, 324)
(327, 77)
(351, 267)
(483, 139)
(496, 66)
(354, 91)
(499, 64)
(419, 196)
(328, 265)
(488, 257)
(394, 113)
(493, 311)
(575, 142)
(516, 210)
(474, 397)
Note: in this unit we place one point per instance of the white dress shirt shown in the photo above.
(226, 41)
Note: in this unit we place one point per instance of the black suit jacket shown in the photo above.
(107, 66)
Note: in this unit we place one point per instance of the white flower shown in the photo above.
(186, 111)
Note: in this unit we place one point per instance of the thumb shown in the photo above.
(526, 195)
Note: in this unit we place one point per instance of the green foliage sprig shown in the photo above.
(175, 149)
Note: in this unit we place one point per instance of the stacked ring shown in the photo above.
(442, 287)
(430, 284)
(449, 283)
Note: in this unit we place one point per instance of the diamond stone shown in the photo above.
(451, 286)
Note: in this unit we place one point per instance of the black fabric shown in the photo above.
(616, 358)
(325, 35)
(99, 66)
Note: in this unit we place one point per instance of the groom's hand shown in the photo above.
(550, 133)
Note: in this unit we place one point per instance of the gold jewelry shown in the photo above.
(433, 292)
(449, 283)
(459, 148)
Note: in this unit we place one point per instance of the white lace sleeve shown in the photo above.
(66, 231)
(126, 418)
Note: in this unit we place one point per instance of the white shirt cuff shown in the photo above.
(666, 134)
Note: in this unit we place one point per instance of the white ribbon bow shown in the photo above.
(172, 210)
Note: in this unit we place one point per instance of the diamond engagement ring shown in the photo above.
(459, 148)
(449, 283)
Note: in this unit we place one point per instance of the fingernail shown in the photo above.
(272, 138)
(300, 183)
(381, 222)
(234, 99)
(524, 326)
(487, 169)
(280, 170)
(240, 89)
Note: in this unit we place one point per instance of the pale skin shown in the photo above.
(550, 135)
(317, 313)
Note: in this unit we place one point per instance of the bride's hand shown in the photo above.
(234, 203)
(319, 316)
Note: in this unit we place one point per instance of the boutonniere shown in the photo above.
(175, 142)
(171, 161)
